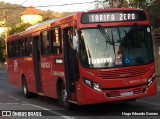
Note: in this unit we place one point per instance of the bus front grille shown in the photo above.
(122, 73)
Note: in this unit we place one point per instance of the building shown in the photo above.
(31, 15)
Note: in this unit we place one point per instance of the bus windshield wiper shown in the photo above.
(106, 36)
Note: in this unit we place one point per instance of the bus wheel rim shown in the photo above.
(24, 89)
(64, 95)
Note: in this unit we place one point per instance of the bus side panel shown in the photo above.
(50, 73)
(26, 69)
(12, 75)
(57, 70)
(46, 82)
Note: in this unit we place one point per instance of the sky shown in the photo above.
(65, 8)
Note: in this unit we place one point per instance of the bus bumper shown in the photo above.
(87, 95)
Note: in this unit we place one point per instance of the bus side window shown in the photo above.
(45, 43)
(17, 48)
(56, 41)
(24, 47)
(9, 49)
(20, 42)
(14, 46)
(29, 46)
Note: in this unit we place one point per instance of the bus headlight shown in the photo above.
(151, 79)
(93, 85)
(88, 82)
(96, 87)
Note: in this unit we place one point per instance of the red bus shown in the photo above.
(85, 58)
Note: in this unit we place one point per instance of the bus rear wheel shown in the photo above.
(25, 88)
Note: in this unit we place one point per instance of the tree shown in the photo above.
(139, 3)
(19, 28)
(154, 15)
(115, 3)
(132, 3)
(2, 49)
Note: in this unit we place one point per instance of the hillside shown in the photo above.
(13, 12)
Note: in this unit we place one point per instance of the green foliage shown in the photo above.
(51, 14)
(19, 28)
(2, 49)
(139, 3)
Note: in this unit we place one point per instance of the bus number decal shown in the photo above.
(58, 73)
(15, 65)
(45, 65)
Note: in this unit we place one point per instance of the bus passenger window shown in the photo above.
(21, 43)
(45, 43)
(9, 49)
(29, 46)
(56, 43)
(15, 49)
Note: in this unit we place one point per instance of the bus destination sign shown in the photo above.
(112, 17)
(104, 17)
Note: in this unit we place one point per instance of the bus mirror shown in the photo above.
(75, 43)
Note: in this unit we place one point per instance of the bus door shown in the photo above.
(71, 63)
(46, 64)
(36, 60)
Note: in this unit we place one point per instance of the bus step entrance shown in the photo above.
(40, 94)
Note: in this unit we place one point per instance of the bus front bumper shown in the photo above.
(87, 95)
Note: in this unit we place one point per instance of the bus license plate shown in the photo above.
(127, 93)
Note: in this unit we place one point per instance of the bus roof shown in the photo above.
(42, 24)
(114, 9)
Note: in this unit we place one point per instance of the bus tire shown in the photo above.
(26, 93)
(62, 98)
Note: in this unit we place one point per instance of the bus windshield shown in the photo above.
(123, 46)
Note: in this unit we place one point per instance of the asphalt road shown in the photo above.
(11, 99)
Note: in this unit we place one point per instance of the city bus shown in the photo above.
(98, 56)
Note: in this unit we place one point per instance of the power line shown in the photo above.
(23, 2)
(52, 5)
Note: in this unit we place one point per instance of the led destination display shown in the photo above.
(113, 17)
